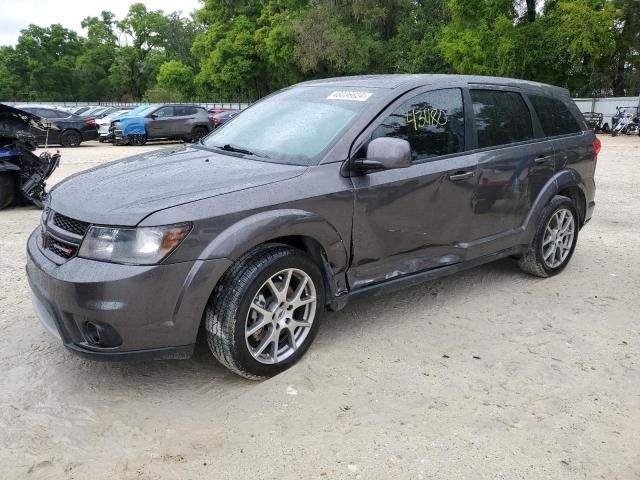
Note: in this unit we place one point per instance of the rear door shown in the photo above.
(572, 148)
(412, 219)
(185, 120)
(513, 159)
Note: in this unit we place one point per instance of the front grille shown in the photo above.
(70, 225)
(62, 249)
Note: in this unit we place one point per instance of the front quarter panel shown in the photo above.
(317, 204)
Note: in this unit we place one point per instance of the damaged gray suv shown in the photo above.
(316, 195)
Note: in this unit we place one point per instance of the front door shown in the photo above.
(413, 219)
(162, 124)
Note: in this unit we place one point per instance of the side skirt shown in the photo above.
(406, 281)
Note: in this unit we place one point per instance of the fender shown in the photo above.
(557, 183)
(262, 227)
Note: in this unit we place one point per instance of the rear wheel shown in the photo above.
(70, 138)
(198, 134)
(7, 190)
(554, 241)
(266, 311)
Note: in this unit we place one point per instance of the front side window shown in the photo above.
(555, 117)
(501, 118)
(432, 123)
(164, 112)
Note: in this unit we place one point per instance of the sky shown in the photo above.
(18, 14)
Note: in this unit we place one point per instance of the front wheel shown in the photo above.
(555, 240)
(266, 311)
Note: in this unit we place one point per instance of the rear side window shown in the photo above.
(501, 118)
(555, 117)
(432, 122)
(185, 111)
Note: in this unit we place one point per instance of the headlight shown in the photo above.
(137, 246)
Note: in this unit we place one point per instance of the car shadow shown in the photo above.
(202, 373)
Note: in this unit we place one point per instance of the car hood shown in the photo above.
(126, 191)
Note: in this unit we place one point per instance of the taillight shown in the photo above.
(216, 121)
(90, 122)
(597, 146)
(211, 119)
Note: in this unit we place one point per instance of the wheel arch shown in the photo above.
(301, 229)
(567, 183)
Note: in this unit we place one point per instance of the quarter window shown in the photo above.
(555, 117)
(432, 122)
(500, 118)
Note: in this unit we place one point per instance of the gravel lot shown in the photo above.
(486, 374)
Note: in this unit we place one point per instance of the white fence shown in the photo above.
(607, 106)
(67, 105)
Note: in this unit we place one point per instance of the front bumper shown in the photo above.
(155, 310)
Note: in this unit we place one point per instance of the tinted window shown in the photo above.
(432, 122)
(164, 112)
(185, 111)
(501, 118)
(555, 117)
(46, 113)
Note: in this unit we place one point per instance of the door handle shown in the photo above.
(543, 159)
(456, 177)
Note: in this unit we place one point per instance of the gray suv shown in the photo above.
(167, 122)
(316, 195)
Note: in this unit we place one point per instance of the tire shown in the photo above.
(534, 261)
(7, 190)
(70, 139)
(198, 133)
(137, 140)
(231, 311)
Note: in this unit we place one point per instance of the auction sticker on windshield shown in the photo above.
(350, 95)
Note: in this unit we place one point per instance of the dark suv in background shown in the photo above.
(168, 122)
(317, 194)
(73, 129)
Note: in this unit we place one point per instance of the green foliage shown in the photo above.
(244, 49)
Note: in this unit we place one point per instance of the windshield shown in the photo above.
(295, 126)
(141, 111)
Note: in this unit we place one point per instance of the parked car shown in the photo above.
(215, 111)
(103, 123)
(22, 173)
(316, 195)
(81, 110)
(185, 122)
(220, 119)
(72, 129)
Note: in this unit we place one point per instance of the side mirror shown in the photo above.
(153, 116)
(386, 153)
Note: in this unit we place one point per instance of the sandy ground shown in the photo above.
(488, 374)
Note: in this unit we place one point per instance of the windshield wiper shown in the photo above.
(234, 148)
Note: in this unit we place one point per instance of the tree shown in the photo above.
(48, 55)
(99, 51)
(175, 81)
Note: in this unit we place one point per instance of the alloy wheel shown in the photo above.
(558, 238)
(280, 316)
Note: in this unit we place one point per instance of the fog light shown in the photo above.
(101, 335)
